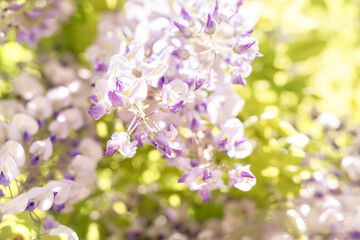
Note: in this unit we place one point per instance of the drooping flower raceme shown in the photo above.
(167, 69)
(48, 118)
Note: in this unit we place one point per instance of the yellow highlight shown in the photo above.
(270, 172)
(150, 175)
(101, 129)
(174, 200)
(154, 155)
(12, 53)
(111, 4)
(104, 181)
(281, 78)
(119, 127)
(93, 232)
(119, 207)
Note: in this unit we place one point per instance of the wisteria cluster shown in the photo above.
(32, 20)
(49, 152)
(167, 69)
(329, 202)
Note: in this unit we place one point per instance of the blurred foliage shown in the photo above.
(311, 64)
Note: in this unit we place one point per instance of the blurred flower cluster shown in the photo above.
(33, 19)
(46, 132)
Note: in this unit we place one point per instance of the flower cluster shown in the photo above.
(32, 20)
(167, 69)
(42, 131)
(328, 206)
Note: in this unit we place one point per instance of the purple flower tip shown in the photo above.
(34, 13)
(176, 107)
(31, 206)
(111, 151)
(216, 9)
(16, 7)
(99, 66)
(4, 180)
(247, 175)
(207, 174)
(185, 15)
(35, 159)
(58, 207)
(239, 3)
(183, 177)
(210, 25)
(205, 194)
(199, 82)
(116, 99)
(239, 80)
(27, 136)
(97, 111)
(53, 139)
(181, 27)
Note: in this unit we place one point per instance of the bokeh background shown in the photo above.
(310, 65)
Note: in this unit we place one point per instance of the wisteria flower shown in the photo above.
(12, 156)
(241, 178)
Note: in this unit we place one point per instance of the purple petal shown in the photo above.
(222, 143)
(4, 180)
(185, 15)
(111, 151)
(247, 175)
(116, 99)
(205, 194)
(53, 139)
(27, 136)
(239, 80)
(194, 124)
(120, 86)
(97, 111)
(69, 176)
(23, 36)
(183, 177)
(237, 143)
(176, 107)
(189, 81)
(207, 174)
(111, 148)
(195, 162)
(200, 82)
(100, 66)
(162, 140)
(216, 10)
(210, 25)
(31, 206)
(181, 27)
(58, 207)
(16, 7)
(94, 98)
(239, 48)
(35, 159)
(34, 13)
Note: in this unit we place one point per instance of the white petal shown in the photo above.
(15, 150)
(63, 229)
(15, 205)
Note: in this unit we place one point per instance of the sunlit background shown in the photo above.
(310, 66)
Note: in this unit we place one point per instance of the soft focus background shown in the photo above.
(310, 66)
